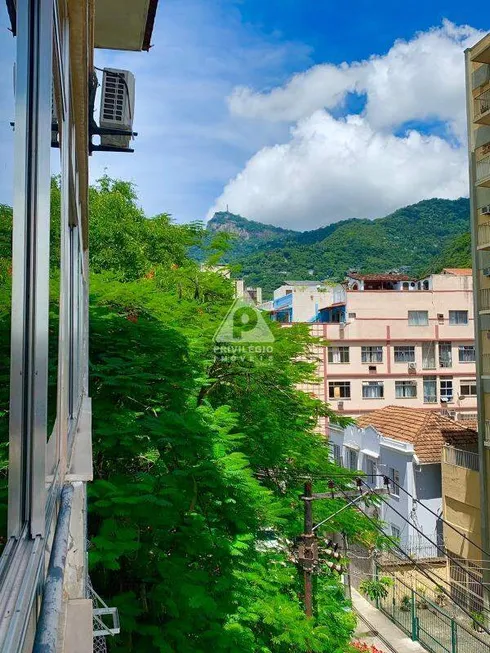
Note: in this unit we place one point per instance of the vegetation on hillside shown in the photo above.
(408, 238)
(196, 456)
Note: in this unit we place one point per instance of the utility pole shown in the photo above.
(308, 550)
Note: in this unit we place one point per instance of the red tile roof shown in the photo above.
(459, 272)
(426, 430)
(380, 277)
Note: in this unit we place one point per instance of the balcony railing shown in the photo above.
(484, 235)
(485, 299)
(461, 458)
(483, 171)
(482, 108)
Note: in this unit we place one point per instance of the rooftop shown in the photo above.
(458, 272)
(303, 283)
(387, 276)
(426, 430)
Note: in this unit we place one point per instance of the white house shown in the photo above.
(404, 444)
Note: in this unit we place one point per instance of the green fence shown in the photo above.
(426, 622)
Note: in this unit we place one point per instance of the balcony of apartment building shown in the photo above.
(282, 308)
(461, 500)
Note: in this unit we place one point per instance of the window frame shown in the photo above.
(341, 351)
(470, 383)
(455, 322)
(466, 348)
(433, 379)
(445, 345)
(406, 383)
(411, 322)
(373, 384)
(397, 350)
(350, 454)
(370, 356)
(394, 476)
(444, 395)
(345, 385)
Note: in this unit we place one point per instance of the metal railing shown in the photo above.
(461, 458)
(484, 234)
(482, 104)
(483, 169)
(487, 431)
(485, 299)
(423, 615)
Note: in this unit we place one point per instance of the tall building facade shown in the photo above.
(478, 111)
(393, 340)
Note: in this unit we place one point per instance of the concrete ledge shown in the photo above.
(81, 465)
(78, 627)
(387, 630)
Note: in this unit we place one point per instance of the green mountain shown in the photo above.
(416, 238)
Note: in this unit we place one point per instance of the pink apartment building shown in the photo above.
(393, 340)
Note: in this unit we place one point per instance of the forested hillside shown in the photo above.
(194, 456)
(411, 238)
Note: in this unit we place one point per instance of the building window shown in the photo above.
(428, 355)
(467, 388)
(351, 459)
(446, 389)
(404, 354)
(338, 355)
(372, 354)
(466, 353)
(418, 318)
(352, 316)
(336, 453)
(458, 317)
(445, 354)
(372, 390)
(394, 477)
(395, 532)
(430, 390)
(371, 471)
(339, 389)
(405, 389)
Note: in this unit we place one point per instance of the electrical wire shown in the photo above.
(420, 532)
(419, 567)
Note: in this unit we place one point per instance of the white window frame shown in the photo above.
(371, 354)
(443, 390)
(351, 455)
(404, 353)
(371, 471)
(373, 384)
(445, 347)
(396, 532)
(418, 318)
(466, 349)
(338, 351)
(431, 379)
(404, 384)
(470, 383)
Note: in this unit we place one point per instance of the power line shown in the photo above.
(420, 568)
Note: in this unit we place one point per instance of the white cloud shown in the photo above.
(359, 166)
(334, 169)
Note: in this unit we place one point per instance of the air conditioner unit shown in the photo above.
(485, 210)
(340, 405)
(117, 106)
(412, 367)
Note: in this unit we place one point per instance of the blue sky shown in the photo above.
(246, 103)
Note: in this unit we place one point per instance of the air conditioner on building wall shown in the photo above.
(412, 367)
(340, 405)
(117, 106)
(485, 210)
